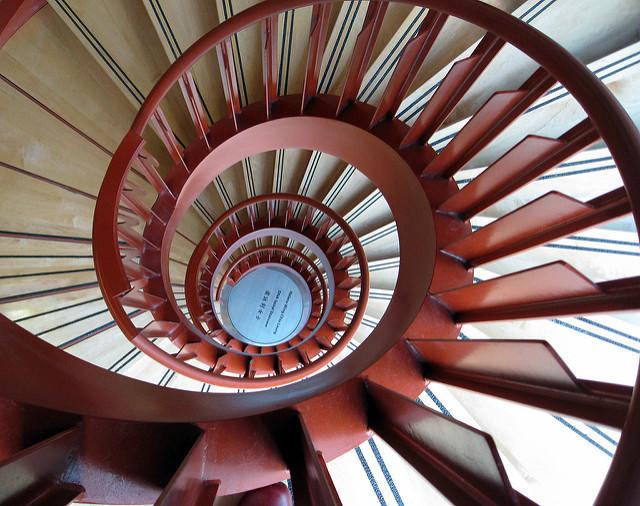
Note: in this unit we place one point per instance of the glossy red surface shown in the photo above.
(416, 433)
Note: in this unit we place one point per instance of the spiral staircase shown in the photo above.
(314, 252)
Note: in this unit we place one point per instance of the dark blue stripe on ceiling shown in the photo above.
(560, 174)
(435, 86)
(386, 60)
(286, 79)
(330, 62)
(532, 8)
(57, 309)
(71, 322)
(592, 250)
(283, 45)
(584, 436)
(566, 93)
(602, 434)
(594, 335)
(372, 480)
(344, 43)
(539, 12)
(606, 241)
(438, 403)
(581, 330)
(385, 472)
(608, 328)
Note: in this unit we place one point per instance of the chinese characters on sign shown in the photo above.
(263, 304)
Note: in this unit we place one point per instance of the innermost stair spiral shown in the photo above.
(268, 306)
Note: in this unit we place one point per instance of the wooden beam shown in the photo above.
(494, 116)
(188, 486)
(545, 219)
(35, 473)
(530, 158)
(14, 14)
(526, 371)
(461, 462)
(452, 88)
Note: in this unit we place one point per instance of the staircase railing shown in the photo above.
(434, 293)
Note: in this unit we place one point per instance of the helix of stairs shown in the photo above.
(244, 242)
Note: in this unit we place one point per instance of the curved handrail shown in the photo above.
(320, 254)
(256, 251)
(614, 125)
(196, 260)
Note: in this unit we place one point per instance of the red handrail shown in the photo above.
(612, 122)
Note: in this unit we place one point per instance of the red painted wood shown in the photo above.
(461, 462)
(47, 293)
(496, 107)
(588, 88)
(553, 281)
(398, 370)
(287, 360)
(162, 128)
(317, 41)
(423, 127)
(131, 195)
(36, 472)
(270, 60)
(55, 494)
(530, 158)
(309, 350)
(622, 483)
(136, 271)
(141, 456)
(136, 241)
(233, 363)
(242, 455)
(620, 285)
(126, 231)
(229, 83)
(492, 118)
(271, 495)
(141, 300)
(317, 477)
(554, 289)
(261, 366)
(605, 301)
(346, 428)
(34, 372)
(347, 304)
(452, 88)
(525, 371)
(541, 40)
(147, 165)
(188, 486)
(307, 353)
(347, 283)
(14, 14)
(185, 354)
(310, 479)
(362, 53)
(477, 195)
(194, 106)
(22, 426)
(411, 59)
(159, 328)
(545, 219)
(345, 263)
